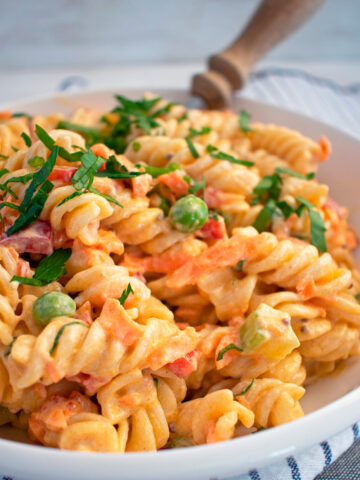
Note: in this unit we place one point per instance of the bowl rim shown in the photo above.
(273, 444)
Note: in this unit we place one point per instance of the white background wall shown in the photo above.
(81, 33)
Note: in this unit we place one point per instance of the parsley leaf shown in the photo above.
(39, 177)
(195, 133)
(244, 118)
(93, 135)
(357, 296)
(239, 266)
(49, 143)
(126, 292)
(216, 153)
(183, 117)
(317, 226)
(198, 186)
(246, 389)
(3, 157)
(61, 331)
(265, 216)
(231, 346)
(10, 205)
(288, 171)
(192, 148)
(114, 169)
(84, 175)
(69, 197)
(9, 347)
(22, 114)
(155, 172)
(50, 268)
(107, 197)
(33, 210)
(26, 139)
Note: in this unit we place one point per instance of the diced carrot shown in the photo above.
(185, 365)
(174, 348)
(62, 174)
(84, 313)
(118, 324)
(306, 288)
(325, 147)
(5, 115)
(223, 253)
(175, 181)
(351, 240)
(100, 150)
(52, 371)
(141, 185)
(213, 229)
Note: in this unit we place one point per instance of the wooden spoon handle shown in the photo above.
(272, 22)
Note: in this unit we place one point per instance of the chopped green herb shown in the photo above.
(33, 210)
(246, 389)
(239, 266)
(244, 118)
(50, 269)
(49, 143)
(15, 149)
(216, 153)
(22, 114)
(198, 186)
(288, 171)
(136, 146)
(26, 139)
(357, 296)
(107, 197)
(61, 331)
(3, 157)
(265, 216)
(317, 226)
(84, 175)
(231, 346)
(261, 428)
(10, 205)
(126, 292)
(163, 110)
(195, 133)
(114, 169)
(36, 162)
(93, 135)
(192, 148)
(157, 171)
(183, 117)
(9, 347)
(156, 381)
(165, 205)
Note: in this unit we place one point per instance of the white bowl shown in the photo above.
(331, 404)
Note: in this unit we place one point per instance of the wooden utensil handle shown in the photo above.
(272, 22)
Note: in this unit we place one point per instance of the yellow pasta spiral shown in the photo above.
(142, 405)
(212, 418)
(301, 153)
(223, 175)
(272, 401)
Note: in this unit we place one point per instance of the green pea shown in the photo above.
(52, 304)
(188, 214)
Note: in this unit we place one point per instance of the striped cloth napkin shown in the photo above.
(339, 106)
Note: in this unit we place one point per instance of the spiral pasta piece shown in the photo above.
(225, 176)
(140, 406)
(272, 401)
(299, 152)
(212, 418)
